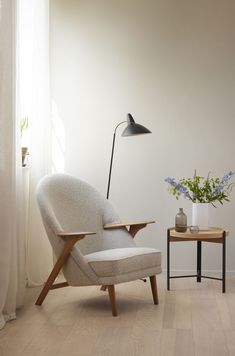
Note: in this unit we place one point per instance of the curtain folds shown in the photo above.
(25, 253)
(12, 276)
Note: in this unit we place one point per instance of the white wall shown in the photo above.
(172, 65)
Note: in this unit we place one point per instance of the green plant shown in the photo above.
(202, 190)
(24, 123)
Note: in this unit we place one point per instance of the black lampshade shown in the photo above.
(133, 128)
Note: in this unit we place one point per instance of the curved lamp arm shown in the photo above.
(132, 129)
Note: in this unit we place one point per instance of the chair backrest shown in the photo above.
(70, 204)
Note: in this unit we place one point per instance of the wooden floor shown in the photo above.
(192, 319)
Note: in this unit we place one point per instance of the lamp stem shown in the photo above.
(111, 161)
(111, 164)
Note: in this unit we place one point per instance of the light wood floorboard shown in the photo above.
(193, 319)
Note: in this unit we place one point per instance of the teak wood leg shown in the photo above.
(103, 288)
(153, 282)
(112, 298)
(54, 273)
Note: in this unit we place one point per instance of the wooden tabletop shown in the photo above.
(212, 233)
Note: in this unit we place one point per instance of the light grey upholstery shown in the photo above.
(108, 257)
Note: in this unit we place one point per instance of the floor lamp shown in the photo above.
(131, 129)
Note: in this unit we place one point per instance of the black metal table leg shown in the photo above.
(168, 259)
(199, 260)
(224, 262)
(216, 235)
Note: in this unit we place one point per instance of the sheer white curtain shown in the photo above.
(35, 105)
(12, 277)
(24, 248)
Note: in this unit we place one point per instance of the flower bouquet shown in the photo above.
(202, 190)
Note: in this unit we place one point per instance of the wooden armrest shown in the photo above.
(117, 225)
(74, 235)
(134, 226)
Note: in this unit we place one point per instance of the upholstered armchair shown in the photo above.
(92, 246)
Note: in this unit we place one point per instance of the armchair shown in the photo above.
(92, 246)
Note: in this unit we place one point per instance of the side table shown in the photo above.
(215, 234)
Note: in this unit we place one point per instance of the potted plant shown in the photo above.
(24, 149)
(202, 192)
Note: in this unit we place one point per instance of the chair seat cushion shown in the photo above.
(119, 261)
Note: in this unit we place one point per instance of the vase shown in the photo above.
(200, 215)
(181, 221)
(24, 153)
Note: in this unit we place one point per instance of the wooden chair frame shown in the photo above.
(70, 239)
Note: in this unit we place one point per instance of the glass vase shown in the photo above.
(181, 221)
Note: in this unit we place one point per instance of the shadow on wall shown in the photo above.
(58, 141)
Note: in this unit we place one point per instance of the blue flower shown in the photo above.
(180, 188)
(227, 176)
(218, 189)
(171, 181)
(224, 182)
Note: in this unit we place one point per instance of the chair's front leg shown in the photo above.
(112, 298)
(153, 282)
(54, 273)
